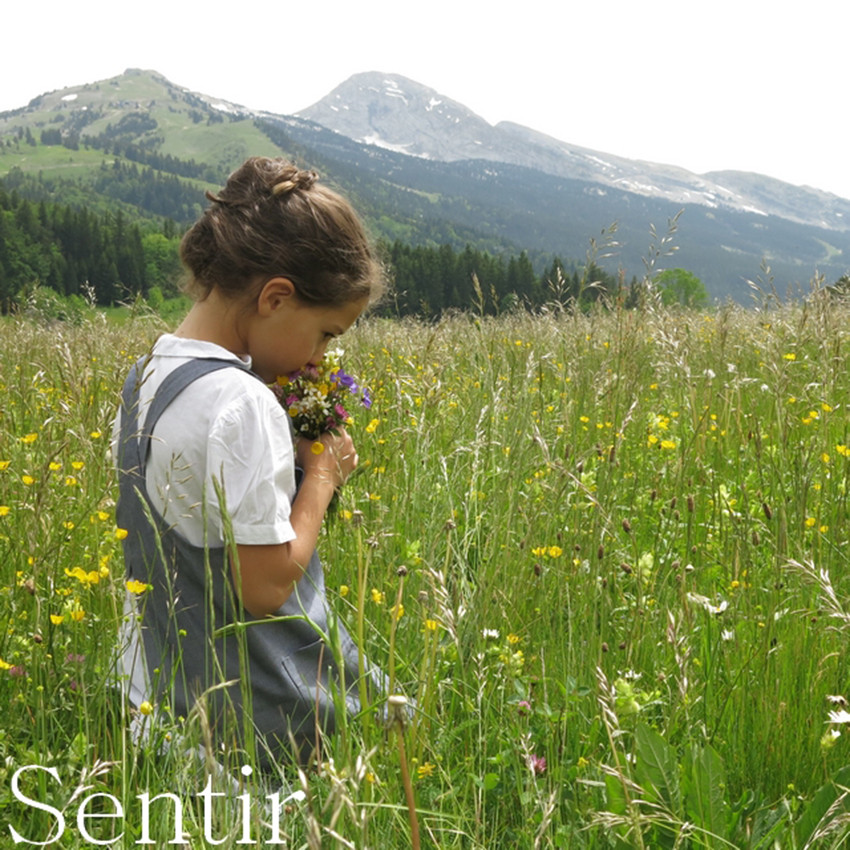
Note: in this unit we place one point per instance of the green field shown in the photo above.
(605, 553)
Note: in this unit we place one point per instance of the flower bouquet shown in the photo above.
(316, 396)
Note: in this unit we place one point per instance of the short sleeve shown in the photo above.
(250, 455)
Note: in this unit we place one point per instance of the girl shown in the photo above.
(279, 266)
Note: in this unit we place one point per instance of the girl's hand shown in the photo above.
(334, 463)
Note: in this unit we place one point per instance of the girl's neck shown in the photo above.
(215, 319)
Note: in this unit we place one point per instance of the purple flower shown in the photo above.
(74, 658)
(345, 380)
(537, 764)
(17, 672)
(523, 707)
(367, 398)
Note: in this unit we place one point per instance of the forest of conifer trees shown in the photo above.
(73, 250)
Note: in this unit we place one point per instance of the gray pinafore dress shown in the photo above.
(283, 669)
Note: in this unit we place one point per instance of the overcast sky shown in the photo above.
(753, 85)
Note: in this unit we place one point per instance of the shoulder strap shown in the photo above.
(173, 384)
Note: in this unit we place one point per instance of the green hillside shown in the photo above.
(140, 108)
(64, 140)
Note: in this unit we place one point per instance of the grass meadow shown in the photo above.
(605, 553)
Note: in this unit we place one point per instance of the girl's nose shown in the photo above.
(318, 354)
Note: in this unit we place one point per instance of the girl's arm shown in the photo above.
(265, 575)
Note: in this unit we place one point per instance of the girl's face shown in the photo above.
(286, 334)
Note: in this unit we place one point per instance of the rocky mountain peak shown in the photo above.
(398, 114)
(393, 112)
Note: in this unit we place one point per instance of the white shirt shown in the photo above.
(226, 427)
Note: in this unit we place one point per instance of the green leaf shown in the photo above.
(820, 804)
(657, 768)
(491, 780)
(705, 792)
(615, 794)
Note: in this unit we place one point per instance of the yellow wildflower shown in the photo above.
(86, 578)
(425, 770)
(135, 586)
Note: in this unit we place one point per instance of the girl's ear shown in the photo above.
(276, 291)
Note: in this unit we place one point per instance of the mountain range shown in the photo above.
(425, 169)
(401, 115)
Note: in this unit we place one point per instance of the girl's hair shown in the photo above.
(273, 219)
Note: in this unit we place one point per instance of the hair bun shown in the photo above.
(293, 180)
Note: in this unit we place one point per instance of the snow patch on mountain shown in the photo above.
(378, 142)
